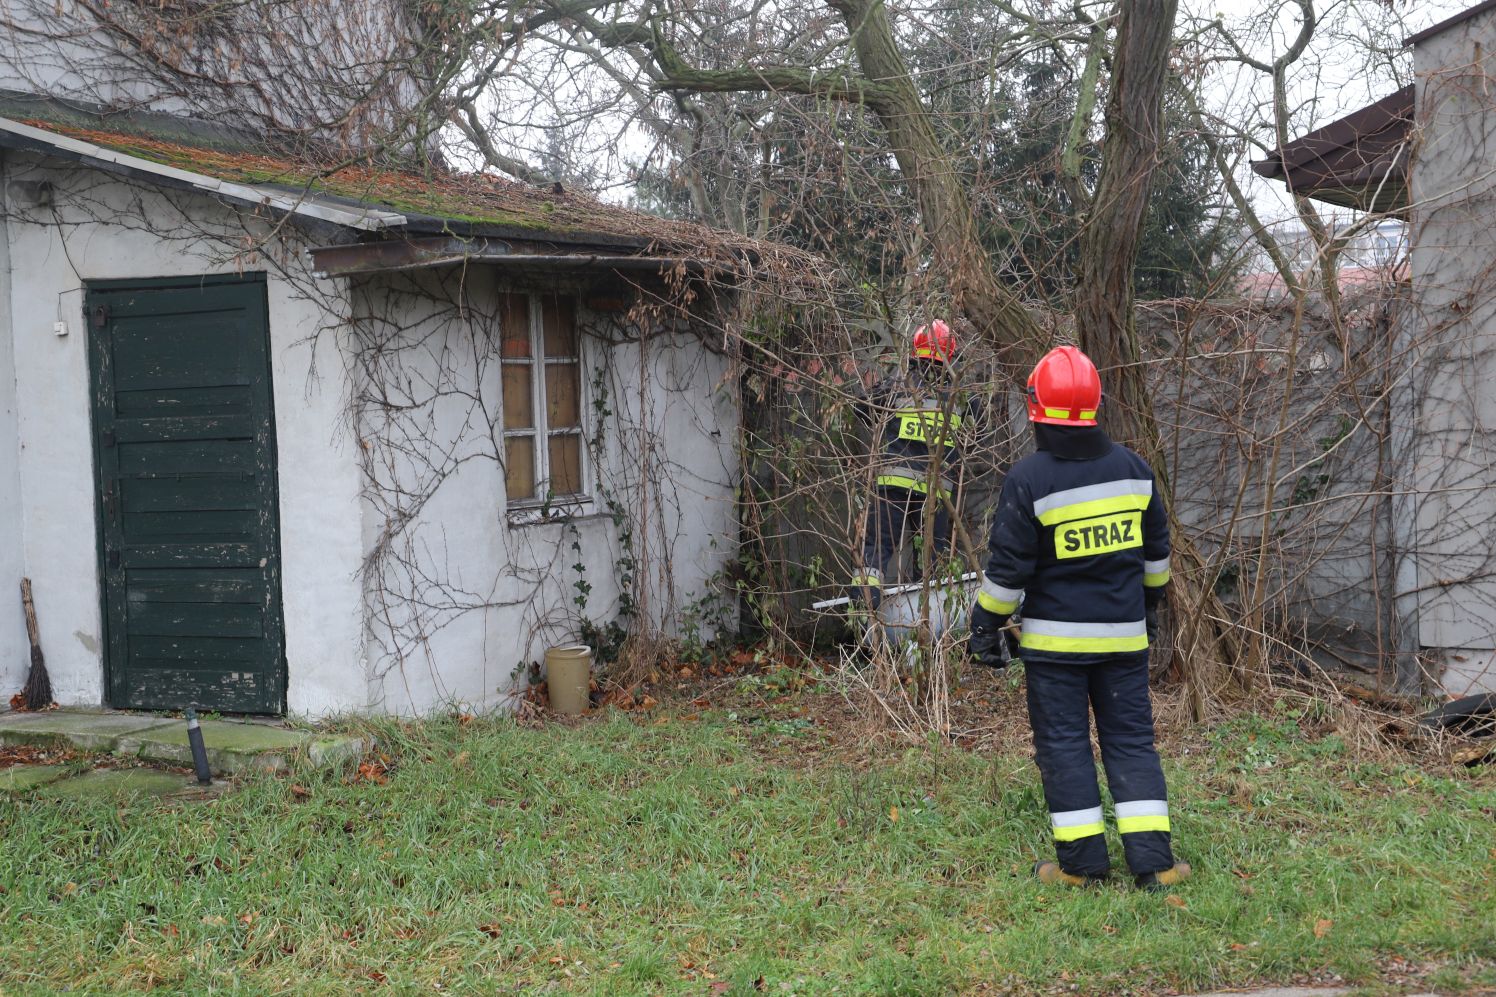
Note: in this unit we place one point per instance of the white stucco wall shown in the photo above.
(106, 235)
(471, 596)
(467, 595)
(14, 652)
(1453, 313)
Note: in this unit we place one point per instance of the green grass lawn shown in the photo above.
(745, 852)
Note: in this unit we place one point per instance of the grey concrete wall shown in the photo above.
(1452, 471)
(330, 67)
(1221, 370)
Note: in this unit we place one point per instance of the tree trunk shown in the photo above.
(945, 210)
(1105, 319)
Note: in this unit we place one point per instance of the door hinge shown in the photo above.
(100, 316)
(107, 437)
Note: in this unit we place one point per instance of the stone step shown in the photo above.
(234, 746)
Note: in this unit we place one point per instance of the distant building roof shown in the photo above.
(427, 208)
(1359, 161)
(1449, 22)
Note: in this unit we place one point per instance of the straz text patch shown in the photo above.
(1102, 535)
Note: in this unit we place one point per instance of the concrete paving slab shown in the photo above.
(86, 730)
(117, 784)
(21, 778)
(328, 751)
(233, 746)
(241, 747)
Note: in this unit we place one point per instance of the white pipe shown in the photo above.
(893, 590)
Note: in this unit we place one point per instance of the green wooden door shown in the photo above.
(189, 545)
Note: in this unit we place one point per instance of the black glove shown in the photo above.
(1152, 599)
(989, 642)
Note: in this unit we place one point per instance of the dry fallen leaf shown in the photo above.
(1238, 947)
(648, 702)
(491, 930)
(893, 814)
(1174, 900)
(300, 792)
(1322, 927)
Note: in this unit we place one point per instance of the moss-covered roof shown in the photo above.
(432, 199)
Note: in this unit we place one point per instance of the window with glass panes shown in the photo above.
(542, 384)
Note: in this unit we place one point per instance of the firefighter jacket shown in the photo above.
(1078, 536)
(911, 414)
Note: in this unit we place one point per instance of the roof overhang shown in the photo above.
(16, 135)
(419, 253)
(1359, 161)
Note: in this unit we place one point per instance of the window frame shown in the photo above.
(528, 508)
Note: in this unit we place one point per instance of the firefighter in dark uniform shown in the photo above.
(1081, 540)
(917, 417)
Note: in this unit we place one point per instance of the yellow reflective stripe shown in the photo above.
(926, 352)
(1129, 825)
(1156, 579)
(1083, 645)
(1095, 507)
(930, 413)
(1087, 414)
(995, 605)
(1077, 831)
(868, 581)
(903, 481)
(1057, 413)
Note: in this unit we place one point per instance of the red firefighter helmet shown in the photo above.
(1064, 389)
(934, 342)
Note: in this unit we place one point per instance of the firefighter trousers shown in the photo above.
(895, 513)
(1061, 699)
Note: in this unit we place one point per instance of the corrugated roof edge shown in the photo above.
(1449, 22)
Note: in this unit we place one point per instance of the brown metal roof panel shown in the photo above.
(1359, 160)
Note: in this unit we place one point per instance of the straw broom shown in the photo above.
(38, 691)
